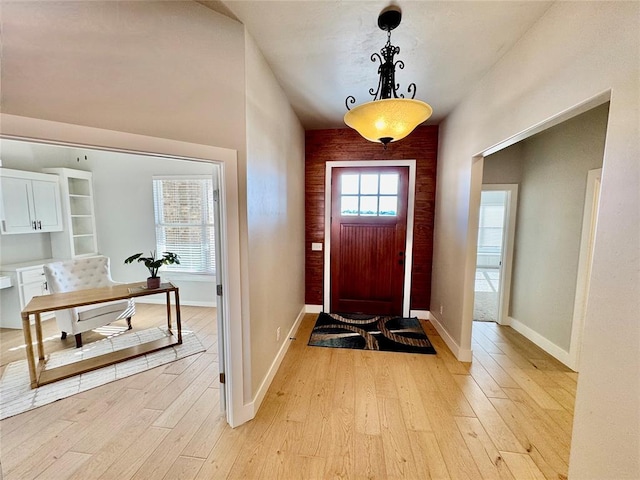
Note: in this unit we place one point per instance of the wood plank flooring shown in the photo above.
(329, 413)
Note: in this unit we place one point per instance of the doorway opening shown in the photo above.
(368, 238)
(222, 164)
(496, 230)
(545, 305)
(402, 257)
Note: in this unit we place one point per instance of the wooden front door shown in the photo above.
(368, 238)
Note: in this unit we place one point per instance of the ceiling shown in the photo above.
(320, 50)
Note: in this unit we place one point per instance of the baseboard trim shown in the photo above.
(547, 345)
(461, 354)
(275, 365)
(313, 308)
(241, 416)
(421, 314)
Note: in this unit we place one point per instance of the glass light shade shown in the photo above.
(390, 118)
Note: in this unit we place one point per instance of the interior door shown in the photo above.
(496, 239)
(488, 280)
(368, 239)
(219, 289)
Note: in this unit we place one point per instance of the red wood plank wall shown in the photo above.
(346, 144)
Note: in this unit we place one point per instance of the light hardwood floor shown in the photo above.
(329, 413)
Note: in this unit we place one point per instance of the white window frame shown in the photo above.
(178, 269)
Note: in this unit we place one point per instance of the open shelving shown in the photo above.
(79, 237)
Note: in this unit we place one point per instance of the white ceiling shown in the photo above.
(320, 50)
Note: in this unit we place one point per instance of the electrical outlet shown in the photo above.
(441, 309)
(278, 334)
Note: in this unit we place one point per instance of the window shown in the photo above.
(491, 223)
(185, 222)
(369, 194)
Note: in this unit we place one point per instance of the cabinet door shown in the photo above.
(18, 205)
(30, 290)
(46, 201)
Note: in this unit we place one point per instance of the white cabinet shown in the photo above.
(79, 237)
(30, 202)
(30, 282)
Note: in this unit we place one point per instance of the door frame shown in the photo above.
(77, 136)
(411, 195)
(583, 280)
(508, 241)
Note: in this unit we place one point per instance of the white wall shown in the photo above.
(169, 69)
(275, 213)
(504, 166)
(577, 51)
(551, 201)
(123, 192)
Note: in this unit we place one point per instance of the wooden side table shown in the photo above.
(40, 375)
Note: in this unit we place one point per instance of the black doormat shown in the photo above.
(370, 332)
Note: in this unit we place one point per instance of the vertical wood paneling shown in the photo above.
(374, 239)
(347, 145)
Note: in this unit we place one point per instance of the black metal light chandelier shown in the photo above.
(390, 116)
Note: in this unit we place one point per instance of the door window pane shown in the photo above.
(348, 205)
(389, 184)
(350, 184)
(368, 206)
(369, 184)
(389, 206)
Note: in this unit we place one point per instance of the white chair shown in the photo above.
(82, 274)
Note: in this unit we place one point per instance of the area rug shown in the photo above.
(16, 395)
(485, 306)
(370, 332)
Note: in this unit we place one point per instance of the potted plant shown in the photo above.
(153, 264)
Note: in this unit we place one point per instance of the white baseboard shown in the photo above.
(548, 346)
(421, 314)
(462, 354)
(506, 322)
(313, 308)
(240, 416)
(264, 386)
(185, 303)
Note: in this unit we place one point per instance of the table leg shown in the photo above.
(39, 337)
(26, 330)
(169, 311)
(179, 324)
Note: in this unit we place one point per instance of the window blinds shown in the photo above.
(185, 221)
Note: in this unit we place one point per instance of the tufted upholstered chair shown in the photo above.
(81, 274)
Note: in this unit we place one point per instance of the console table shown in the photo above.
(39, 375)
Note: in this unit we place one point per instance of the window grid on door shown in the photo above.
(369, 194)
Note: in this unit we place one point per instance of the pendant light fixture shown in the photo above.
(390, 116)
